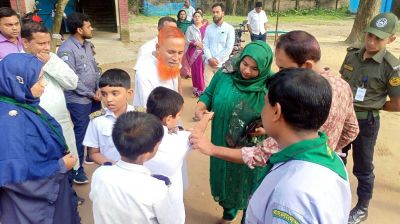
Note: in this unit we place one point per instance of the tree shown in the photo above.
(58, 16)
(367, 9)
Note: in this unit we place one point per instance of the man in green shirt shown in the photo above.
(373, 73)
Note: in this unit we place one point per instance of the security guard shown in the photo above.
(373, 73)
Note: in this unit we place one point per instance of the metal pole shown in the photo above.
(277, 22)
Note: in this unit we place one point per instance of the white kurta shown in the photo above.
(127, 193)
(168, 161)
(59, 77)
(147, 79)
(145, 51)
(300, 192)
(99, 134)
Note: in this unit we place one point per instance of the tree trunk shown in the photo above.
(58, 16)
(297, 5)
(274, 5)
(366, 11)
(318, 3)
(234, 7)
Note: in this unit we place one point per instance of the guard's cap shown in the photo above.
(383, 25)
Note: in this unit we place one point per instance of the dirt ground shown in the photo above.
(200, 207)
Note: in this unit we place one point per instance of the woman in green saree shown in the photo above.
(237, 98)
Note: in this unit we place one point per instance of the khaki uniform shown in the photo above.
(380, 75)
(371, 81)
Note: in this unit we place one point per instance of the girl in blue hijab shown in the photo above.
(34, 159)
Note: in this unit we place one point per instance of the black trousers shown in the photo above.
(363, 154)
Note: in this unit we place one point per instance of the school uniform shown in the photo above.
(168, 161)
(127, 193)
(99, 133)
(302, 186)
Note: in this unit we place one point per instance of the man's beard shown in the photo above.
(165, 71)
(85, 37)
(216, 19)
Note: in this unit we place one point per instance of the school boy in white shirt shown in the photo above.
(115, 89)
(167, 105)
(307, 181)
(126, 192)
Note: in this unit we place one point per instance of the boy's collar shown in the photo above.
(110, 113)
(133, 167)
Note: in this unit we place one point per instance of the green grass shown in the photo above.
(309, 16)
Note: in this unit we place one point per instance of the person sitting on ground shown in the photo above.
(306, 178)
(167, 105)
(126, 192)
(161, 68)
(115, 90)
(341, 126)
(34, 158)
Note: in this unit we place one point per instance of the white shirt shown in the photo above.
(218, 42)
(256, 21)
(99, 134)
(300, 191)
(127, 193)
(168, 161)
(146, 50)
(189, 12)
(59, 77)
(147, 79)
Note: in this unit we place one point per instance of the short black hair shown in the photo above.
(258, 4)
(7, 12)
(31, 27)
(136, 133)
(163, 102)
(305, 97)
(115, 78)
(75, 21)
(300, 46)
(220, 4)
(164, 19)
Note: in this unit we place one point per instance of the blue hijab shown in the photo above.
(30, 147)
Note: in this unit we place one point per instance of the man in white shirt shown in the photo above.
(257, 23)
(150, 46)
(162, 68)
(58, 75)
(218, 42)
(189, 10)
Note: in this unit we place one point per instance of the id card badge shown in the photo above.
(360, 94)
